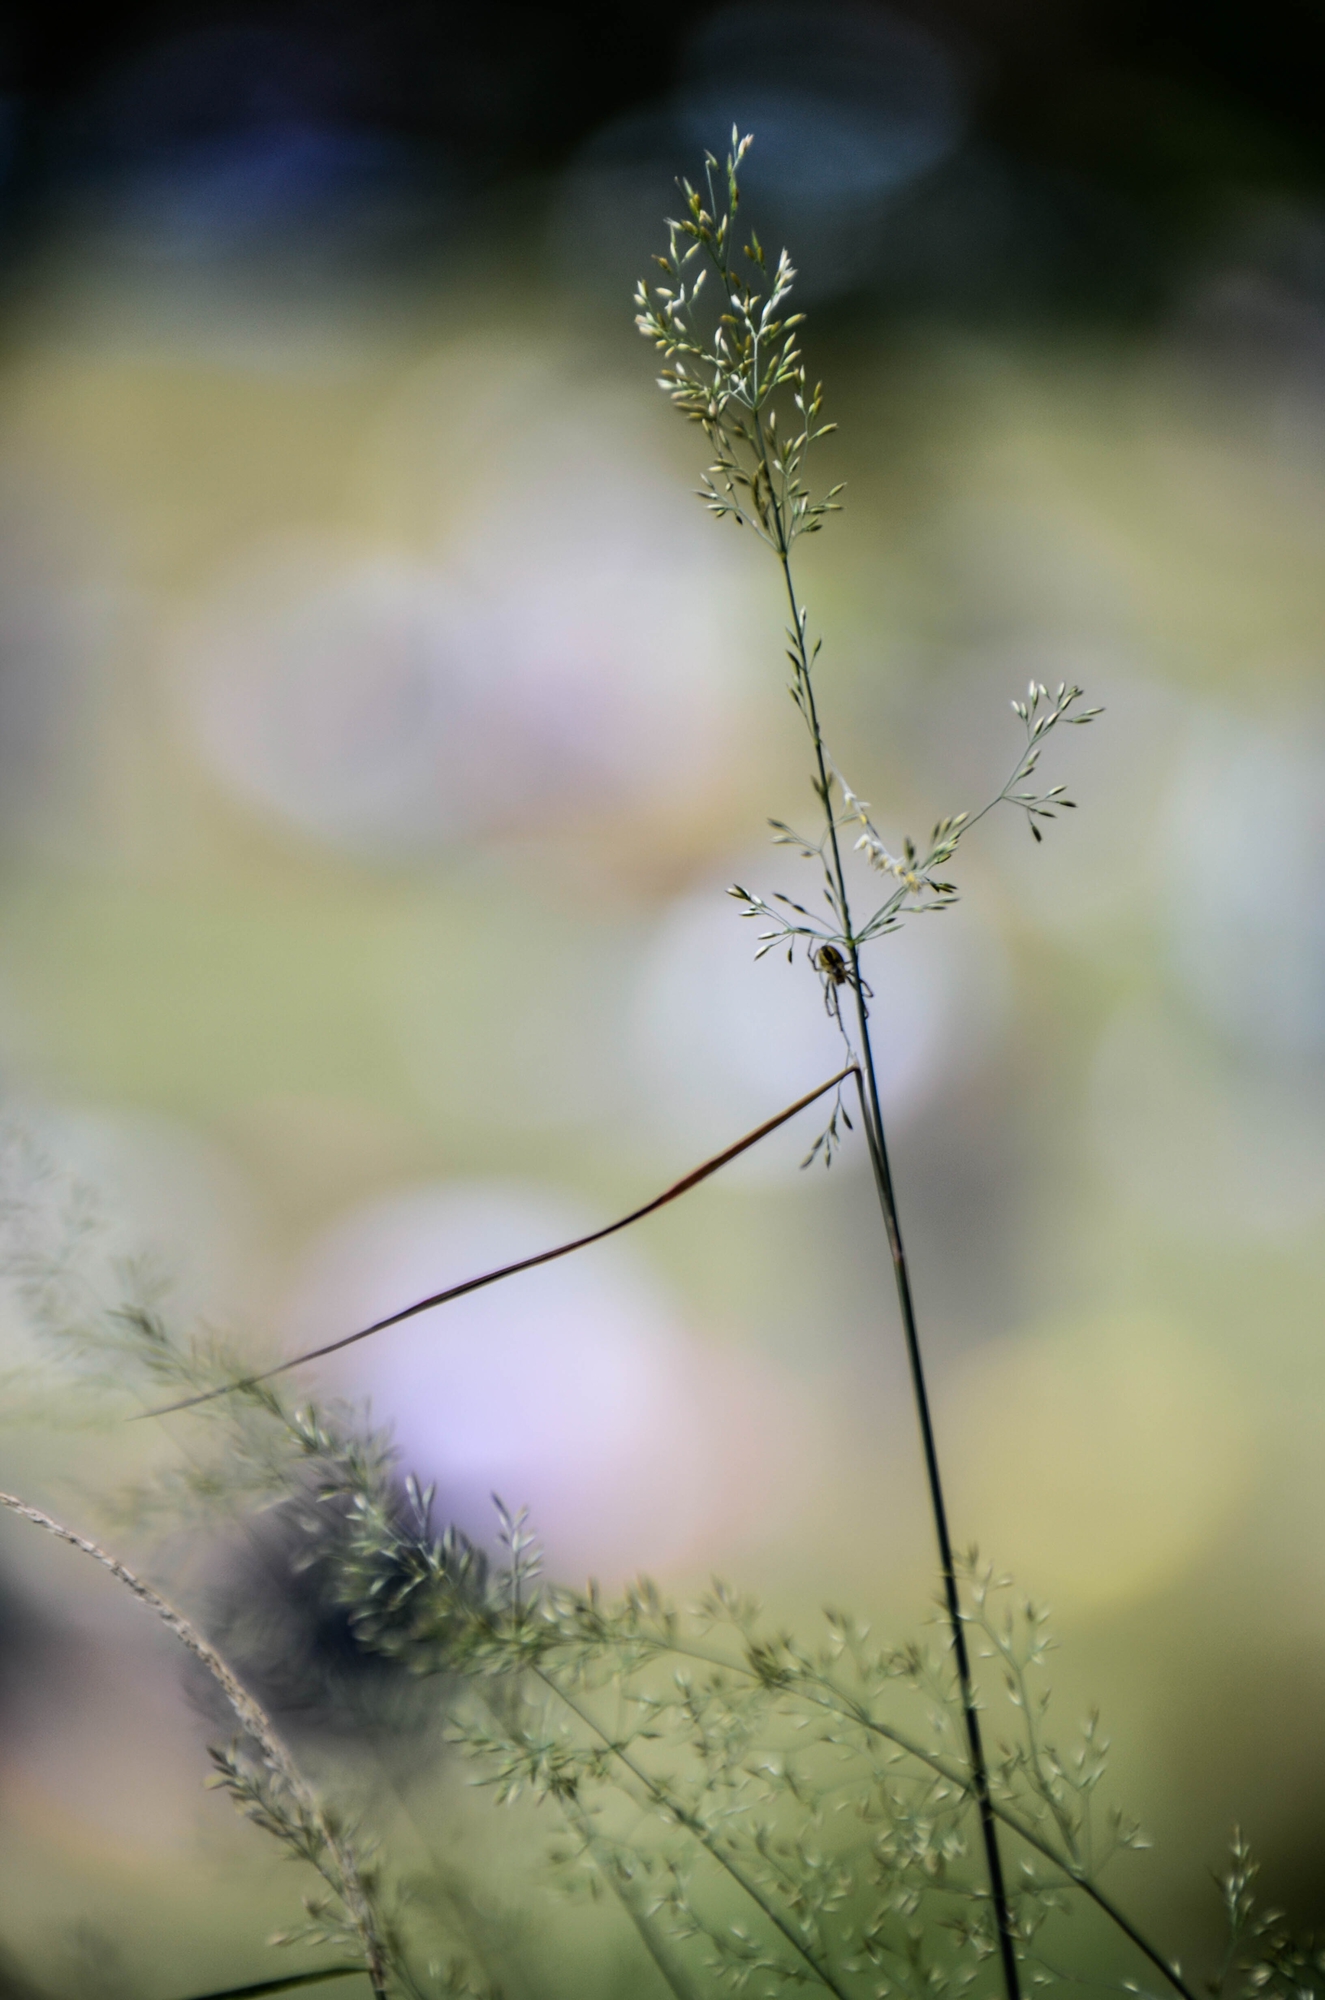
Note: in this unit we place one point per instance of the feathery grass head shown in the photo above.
(736, 369)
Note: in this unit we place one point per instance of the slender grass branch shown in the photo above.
(1069, 1867)
(343, 1875)
(674, 1976)
(695, 1827)
(820, 1690)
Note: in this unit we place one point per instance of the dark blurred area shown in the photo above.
(1070, 157)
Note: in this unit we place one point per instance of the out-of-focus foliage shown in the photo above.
(769, 1815)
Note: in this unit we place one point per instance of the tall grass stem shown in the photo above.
(876, 1143)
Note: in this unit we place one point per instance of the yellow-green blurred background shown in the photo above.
(381, 721)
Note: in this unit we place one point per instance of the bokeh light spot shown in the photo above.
(1098, 1459)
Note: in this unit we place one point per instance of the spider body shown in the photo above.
(836, 972)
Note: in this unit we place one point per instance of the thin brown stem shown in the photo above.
(683, 1186)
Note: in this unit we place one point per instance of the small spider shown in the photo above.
(835, 972)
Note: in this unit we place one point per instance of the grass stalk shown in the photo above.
(736, 377)
(876, 1143)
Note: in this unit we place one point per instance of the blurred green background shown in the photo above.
(381, 720)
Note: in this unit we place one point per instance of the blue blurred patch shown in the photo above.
(236, 191)
(848, 105)
(233, 139)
